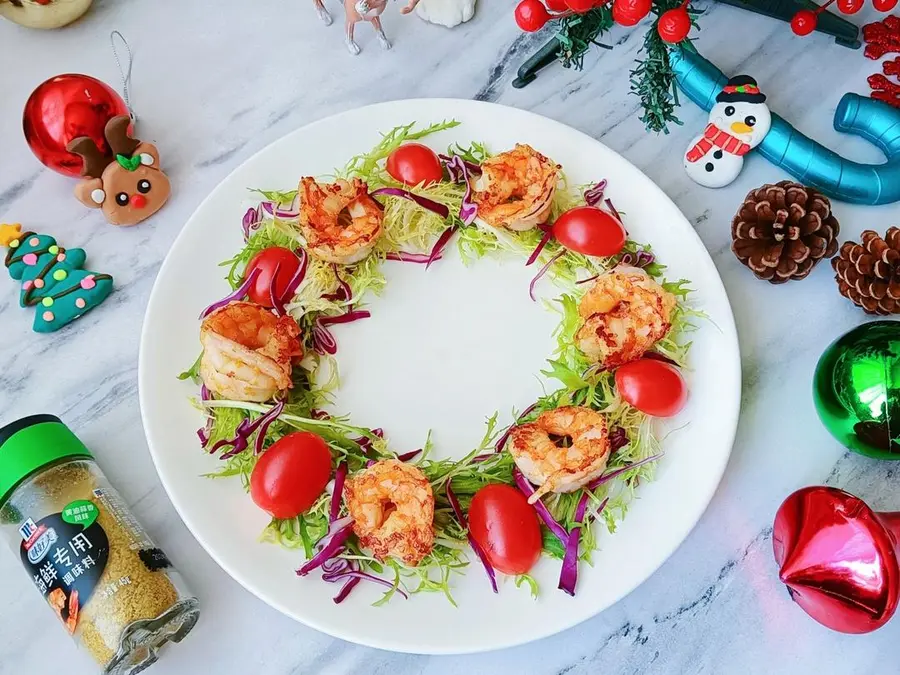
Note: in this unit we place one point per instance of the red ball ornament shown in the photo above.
(531, 15)
(884, 5)
(674, 25)
(557, 5)
(804, 22)
(630, 12)
(64, 108)
(849, 6)
(838, 558)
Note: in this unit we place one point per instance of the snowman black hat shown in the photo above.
(741, 89)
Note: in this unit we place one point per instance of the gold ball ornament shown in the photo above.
(43, 13)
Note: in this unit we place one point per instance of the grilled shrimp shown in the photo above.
(247, 352)
(392, 507)
(562, 450)
(625, 313)
(516, 188)
(339, 220)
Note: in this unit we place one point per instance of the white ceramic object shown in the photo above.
(447, 13)
(444, 348)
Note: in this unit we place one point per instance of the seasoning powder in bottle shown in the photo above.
(115, 592)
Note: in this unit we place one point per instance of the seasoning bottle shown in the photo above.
(115, 592)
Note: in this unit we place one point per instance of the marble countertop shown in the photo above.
(214, 83)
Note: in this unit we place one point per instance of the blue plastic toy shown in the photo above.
(810, 162)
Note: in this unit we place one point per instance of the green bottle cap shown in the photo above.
(31, 443)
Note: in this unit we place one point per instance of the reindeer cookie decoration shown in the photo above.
(126, 183)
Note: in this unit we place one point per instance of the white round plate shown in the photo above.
(444, 349)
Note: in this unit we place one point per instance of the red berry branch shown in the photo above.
(805, 21)
(883, 37)
(580, 22)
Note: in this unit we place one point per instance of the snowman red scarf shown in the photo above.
(714, 136)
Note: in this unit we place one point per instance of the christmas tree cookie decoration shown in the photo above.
(53, 281)
(738, 122)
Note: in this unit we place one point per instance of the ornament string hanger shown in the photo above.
(124, 73)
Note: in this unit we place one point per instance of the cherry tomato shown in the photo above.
(506, 527)
(267, 260)
(581, 6)
(414, 163)
(651, 386)
(291, 475)
(674, 25)
(531, 15)
(557, 5)
(589, 230)
(884, 5)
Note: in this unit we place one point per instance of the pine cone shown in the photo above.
(869, 273)
(781, 231)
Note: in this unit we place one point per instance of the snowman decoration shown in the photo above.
(738, 123)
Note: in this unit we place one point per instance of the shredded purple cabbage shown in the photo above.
(618, 438)
(640, 259)
(419, 258)
(459, 172)
(461, 517)
(292, 285)
(317, 414)
(323, 340)
(543, 271)
(548, 235)
(614, 211)
(594, 195)
(343, 293)
(406, 456)
(251, 221)
(239, 294)
(424, 202)
(542, 511)
(606, 477)
(338, 569)
(588, 280)
(245, 430)
(656, 356)
(438, 249)
(329, 545)
(339, 477)
(204, 431)
(568, 575)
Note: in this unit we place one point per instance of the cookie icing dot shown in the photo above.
(47, 302)
(27, 285)
(53, 250)
(34, 241)
(38, 283)
(88, 283)
(29, 259)
(59, 275)
(61, 257)
(47, 316)
(80, 303)
(14, 243)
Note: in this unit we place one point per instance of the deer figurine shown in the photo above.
(126, 182)
(362, 10)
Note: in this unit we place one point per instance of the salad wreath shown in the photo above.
(358, 510)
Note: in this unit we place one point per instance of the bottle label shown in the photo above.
(65, 554)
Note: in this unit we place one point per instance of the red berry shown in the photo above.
(804, 22)
(581, 6)
(849, 6)
(630, 12)
(557, 5)
(531, 15)
(674, 25)
(884, 5)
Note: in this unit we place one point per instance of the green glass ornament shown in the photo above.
(857, 389)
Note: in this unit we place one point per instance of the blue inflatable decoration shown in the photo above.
(810, 162)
